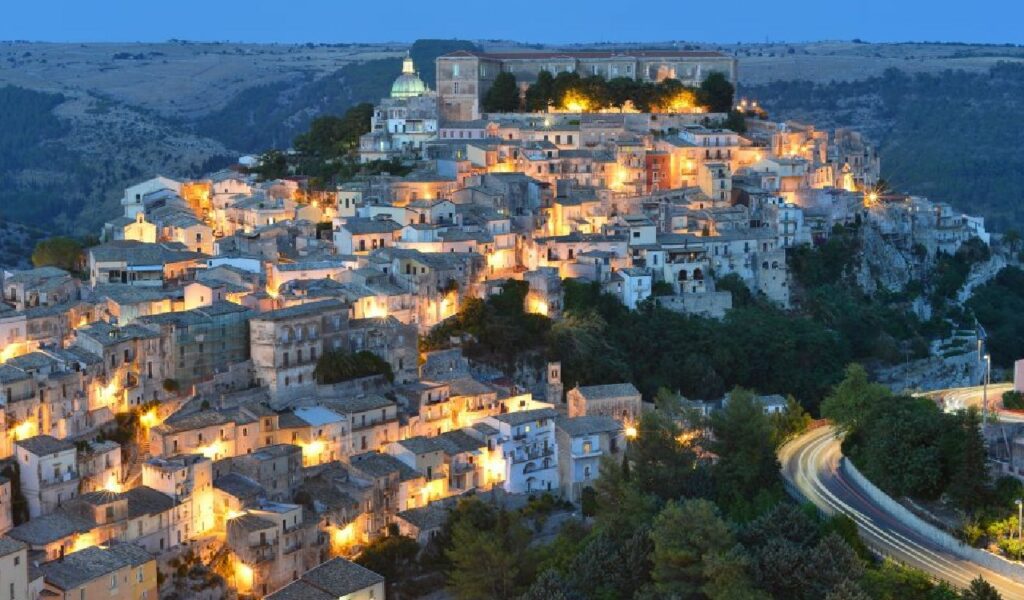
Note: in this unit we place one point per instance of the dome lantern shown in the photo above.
(408, 84)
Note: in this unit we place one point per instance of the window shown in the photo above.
(455, 90)
(455, 73)
(113, 582)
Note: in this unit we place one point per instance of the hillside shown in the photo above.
(82, 121)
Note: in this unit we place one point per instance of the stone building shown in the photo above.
(620, 401)
(463, 77)
(402, 122)
(286, 343)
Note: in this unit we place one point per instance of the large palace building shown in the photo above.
(464, 77)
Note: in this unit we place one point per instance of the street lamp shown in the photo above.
(984, 393)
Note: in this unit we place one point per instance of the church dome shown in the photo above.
(408, 84)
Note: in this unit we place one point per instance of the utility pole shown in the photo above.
(984, 390)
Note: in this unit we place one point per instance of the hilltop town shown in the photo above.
(254, 378)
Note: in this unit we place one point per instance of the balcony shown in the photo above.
(536, 467)
(594, 451)
(522, 456)
(262, 552)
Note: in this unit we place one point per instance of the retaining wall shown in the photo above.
(933, 534)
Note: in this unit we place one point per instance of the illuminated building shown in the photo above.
(336, 578)
(527, 441)
(464, 77)
(43, 286)
(88, 573)
(48, 471)
(402, 122)
(620, 401)
(198, 343)
(99, 467)
(582, 443)
(188, 480)
(286, 343)
(129, 262)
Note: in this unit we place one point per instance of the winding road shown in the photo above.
(810, 465)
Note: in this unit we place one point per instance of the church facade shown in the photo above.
(402, 122)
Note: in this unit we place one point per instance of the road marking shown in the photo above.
(805, 459)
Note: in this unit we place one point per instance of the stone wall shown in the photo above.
(931, 533)
(707, 304)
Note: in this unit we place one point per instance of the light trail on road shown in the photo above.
(810, 464)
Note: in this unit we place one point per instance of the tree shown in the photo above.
(980, 590)
(331, 136)
(1013, 400)
(716, 93)
(743, 440)
(847, 590)
(551, 586)
(58, 251)
(613, 567)
(588, 501)
(892, 581)
(273, 165)
(621, 507)
(503, 95)
(393, 556)
(685, 535)
(791, 422)
(336, 366)
(969, 484)
(851, 402)
(541, 93)
(728, 578)
(829, 565)
(662, 465)
(489, 563)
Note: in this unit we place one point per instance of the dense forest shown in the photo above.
(28, 139)
(999, 307)
(950, 136)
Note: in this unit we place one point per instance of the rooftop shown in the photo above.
(526, 416)
(611, 390)
(42, 445)
(78, 568)
(50, 528)
(341, 577)
(588, 425)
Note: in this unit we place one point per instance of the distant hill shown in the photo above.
(951, 136)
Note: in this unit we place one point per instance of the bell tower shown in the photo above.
(554, 383)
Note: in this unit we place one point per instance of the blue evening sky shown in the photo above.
(723, 21)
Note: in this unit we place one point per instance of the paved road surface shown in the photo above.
(959, 398)
(810, 464)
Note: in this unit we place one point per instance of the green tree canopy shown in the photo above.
(58, 251)
(503, 96)
(716, 92)
(336, 366)
(743, 441)
(685, 535)
(330, 136)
